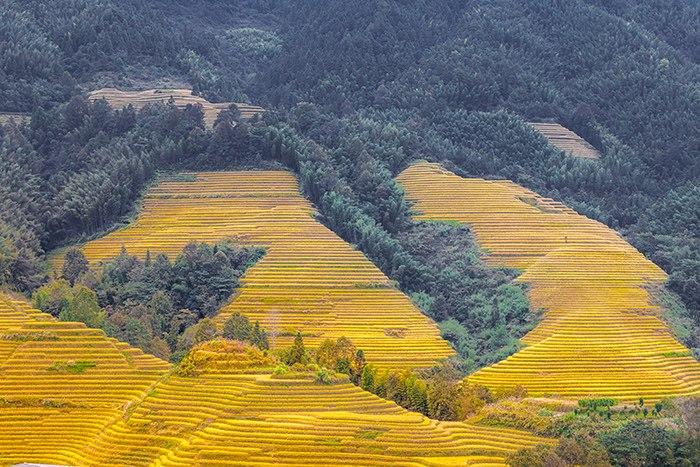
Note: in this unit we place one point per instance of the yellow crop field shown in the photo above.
(600, 335)
(50, 409)
(310, 280)
(130, 409)
(566, 140)
(181, 97)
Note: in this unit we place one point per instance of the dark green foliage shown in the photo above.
(53, 297)
(297, 352)
(341, 356)
(439, 393)
(84, 308)
(601, 432)
(595, 405)
(161, 307)
(79, 167)
(620, 73)
(684, 324)
(259, 337)
(155, 298)
(51, 47)
(642, 442)
(238, 327)
(75, 264)
(478, 308)
(77, 303)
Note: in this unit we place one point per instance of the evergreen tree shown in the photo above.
(84, 308)
(297, 352)
(75, 264)
(238, 327)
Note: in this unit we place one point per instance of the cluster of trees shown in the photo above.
(73, 170)
(239, 328)
(160, 306)
(598, 433)
(439, 393)
(478, 308)
(539, 59)
(78, 168)
(331, 357)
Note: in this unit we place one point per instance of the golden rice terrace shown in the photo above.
(310, 280)
(601, 334)
(566, 140)
(69, 395)
(180, 97)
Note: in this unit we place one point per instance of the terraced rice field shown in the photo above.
(601, 335)
(18, 118)
(566, 140)
(310, 280)
(47, 412)
(130, 410)
(181, 97)
(259, 420)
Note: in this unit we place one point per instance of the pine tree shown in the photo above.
(75, 265)
(297, 353)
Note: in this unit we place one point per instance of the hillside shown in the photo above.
(126, 408)
(601, 334)
(309, 280)
(433, 232)
(62, 383)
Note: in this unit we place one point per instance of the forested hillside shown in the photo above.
(363, 88)
(462, 95)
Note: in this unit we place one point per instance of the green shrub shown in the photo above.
(72, 367)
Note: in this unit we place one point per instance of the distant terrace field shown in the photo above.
(566, 140)
(181, 97)
(601, 335)
(310, 280)
(18, 118)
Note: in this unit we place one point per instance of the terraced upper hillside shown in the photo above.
(601, 334)
(125, 408)
(562, 138)
(181, 97)
(310, 280)
(18, 118)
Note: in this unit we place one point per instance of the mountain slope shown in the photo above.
(130, 409)
(309, 280)
(601, 336)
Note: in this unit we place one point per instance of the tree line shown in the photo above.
(162, 307)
